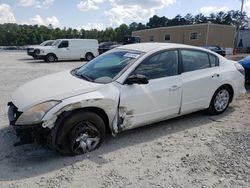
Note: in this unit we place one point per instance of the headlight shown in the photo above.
(36, 113)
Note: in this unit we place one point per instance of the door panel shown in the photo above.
(145, 104)
(160, 99)
(76, 49)
(200, 80)
(63, 51)
(198, 88)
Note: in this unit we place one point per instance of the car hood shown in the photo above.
(33, 46)
(46, 47)
(52, 87)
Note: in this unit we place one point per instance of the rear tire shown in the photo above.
(220, 101)
(80, 133)
(89, 56)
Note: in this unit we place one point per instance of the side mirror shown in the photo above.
(136, 79)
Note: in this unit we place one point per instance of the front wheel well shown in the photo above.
(52, 54)
(89, 53)
(57, 133)
(96, 110)
(101, 113)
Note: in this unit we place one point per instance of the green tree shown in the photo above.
(13, 34)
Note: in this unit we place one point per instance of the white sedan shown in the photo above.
(127, 87)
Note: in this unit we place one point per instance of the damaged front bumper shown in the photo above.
(26, 133)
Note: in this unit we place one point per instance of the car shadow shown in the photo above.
(31, 160)
(26, 59)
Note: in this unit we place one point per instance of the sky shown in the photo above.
(100, 14)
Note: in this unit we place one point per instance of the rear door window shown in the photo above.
(194, 60)
(214, 61)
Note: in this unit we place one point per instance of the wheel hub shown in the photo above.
(88, 138)
(221, 100)
(86, 143)
(51, 58)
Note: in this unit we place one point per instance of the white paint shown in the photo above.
(151, 102)
(198, 88)
(77, 49)
(56, 86)
(139, 104)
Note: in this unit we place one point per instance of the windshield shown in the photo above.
(49, 43)
(43, 43)
(56, 43)
(106, 67)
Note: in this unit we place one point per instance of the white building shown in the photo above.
(244, 39)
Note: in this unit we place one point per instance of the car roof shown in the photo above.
(77, 39)
(149, 46)
(48, 40)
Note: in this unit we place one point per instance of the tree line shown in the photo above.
(19, 35)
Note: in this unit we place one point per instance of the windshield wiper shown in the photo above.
(84, 77)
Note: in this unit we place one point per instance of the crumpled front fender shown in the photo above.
(106, 98)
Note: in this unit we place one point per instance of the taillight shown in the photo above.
(240, 68)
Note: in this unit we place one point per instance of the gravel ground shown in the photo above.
(195, 150)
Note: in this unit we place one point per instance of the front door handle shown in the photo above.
(174, 88)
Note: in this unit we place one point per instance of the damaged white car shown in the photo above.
(127, 87)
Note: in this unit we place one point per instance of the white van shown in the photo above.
(69, 49)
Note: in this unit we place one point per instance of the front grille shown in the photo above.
(27, 134)
(13, 113)
(30, 49)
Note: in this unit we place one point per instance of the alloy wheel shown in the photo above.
(221, 100)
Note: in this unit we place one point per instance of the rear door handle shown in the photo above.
(215, 75)
(174, 88)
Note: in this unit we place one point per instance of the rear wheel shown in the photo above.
(89, 56)
(220, 101)
(85, 131)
